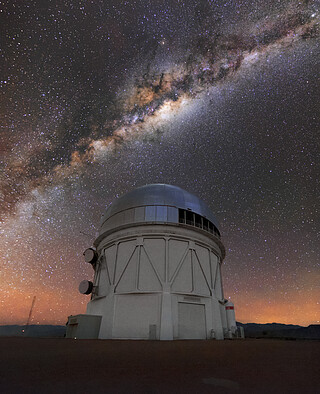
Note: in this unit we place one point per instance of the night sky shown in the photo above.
(220, 98)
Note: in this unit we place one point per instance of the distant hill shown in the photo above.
(277, 330)
(251, 330)
(33, 331)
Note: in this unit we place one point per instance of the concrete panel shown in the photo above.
(218, 284)
(183, 281)
(199, 280)
(97, 306)
(166, 322)
(156, 250)
(192, 321)
(124, 254)
(176, 250)
(105, 308)
(148, 280)
(223, 315)
(103, 282)
(216, 319)
(203, 256)
(134, 314)
(110, 258)
(128, 279)
(214, 267)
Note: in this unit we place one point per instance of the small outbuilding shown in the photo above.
(157, 271)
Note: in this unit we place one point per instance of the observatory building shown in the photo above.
(157, 271)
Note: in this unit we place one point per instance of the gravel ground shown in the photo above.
(38, 365)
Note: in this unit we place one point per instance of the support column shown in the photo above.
(107, 313)
(217, 321)
(166, 324)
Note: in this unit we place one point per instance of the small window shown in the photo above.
(190, 218)
(182, 218)
(150, 214)
(193, 219)
(161, 214)
(173, 215)
(198, 220)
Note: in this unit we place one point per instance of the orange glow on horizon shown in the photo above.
(53, 307)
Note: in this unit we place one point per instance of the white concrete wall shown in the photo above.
(145, 272)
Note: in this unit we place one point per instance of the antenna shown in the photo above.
(29, 317)
(88, 235)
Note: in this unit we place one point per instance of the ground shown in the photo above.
(36, 365)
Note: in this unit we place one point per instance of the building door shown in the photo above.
(192, 321)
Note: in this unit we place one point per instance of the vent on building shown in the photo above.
(193, 219)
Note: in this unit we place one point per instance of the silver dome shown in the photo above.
(160, 195)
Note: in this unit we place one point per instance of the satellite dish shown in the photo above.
(90, 256)
(85, 287)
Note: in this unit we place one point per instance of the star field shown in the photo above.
(219, 98)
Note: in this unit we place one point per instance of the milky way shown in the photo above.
(100, 98)
(212, 60)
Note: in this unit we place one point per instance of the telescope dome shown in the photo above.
(158, 203)
(157, 271)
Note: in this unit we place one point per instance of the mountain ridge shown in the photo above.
(252, 330)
